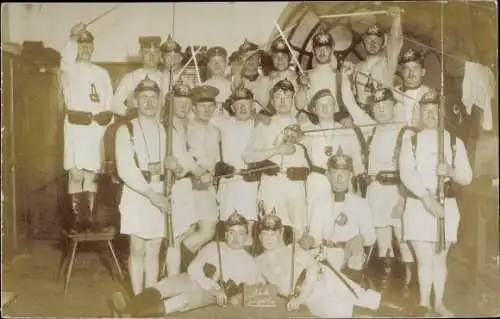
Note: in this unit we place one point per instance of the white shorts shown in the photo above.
(205, 204)
(237, 195)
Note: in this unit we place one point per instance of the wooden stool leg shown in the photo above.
(115, 259)
(64, 261)
(70, 267)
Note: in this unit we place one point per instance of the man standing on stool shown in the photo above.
(87, 94)
(140, 151)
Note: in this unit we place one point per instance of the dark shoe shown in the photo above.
(147, 303)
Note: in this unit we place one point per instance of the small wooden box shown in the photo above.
(261, 296)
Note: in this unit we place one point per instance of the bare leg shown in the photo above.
(425, 259)
(440, 274)
(384, 241)
(136, 263)
(173, 256)
(152, 261)
(205, 232)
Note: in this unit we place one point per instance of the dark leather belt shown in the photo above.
(449, 191)
(334, 244)
(147, 175)
(85, 118)
(387, 178)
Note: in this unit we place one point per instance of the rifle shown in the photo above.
(169, 176)
(441, 239)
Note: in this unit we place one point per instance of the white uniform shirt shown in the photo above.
(128, 84)
(407, 108)
(203, 141)
(82, 143)
(339, 137)
(237, 265)
(271, 135)
(323, 76)
(381, 151)
(180, 146)
(359, 220)
(418, 172)
(259, 88)
(151, 151)
(235, 136)
(224, 87)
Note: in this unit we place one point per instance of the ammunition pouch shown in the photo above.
(85, 118)
(297, 173)
(222, 168)
(103, 118)
(360, 184)
(79, 118)
(148, 177)
(255, 176)
(387, 178)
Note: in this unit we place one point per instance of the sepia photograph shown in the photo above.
(272, 159)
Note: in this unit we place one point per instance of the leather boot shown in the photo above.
(76, 224)
(93, 222)
(386, 271)
(407, 281)
(147, 303)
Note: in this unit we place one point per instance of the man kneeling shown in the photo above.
(326, 293)
(202, 285)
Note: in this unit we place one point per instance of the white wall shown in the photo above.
(218, 23)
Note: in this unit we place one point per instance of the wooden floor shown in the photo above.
(32, 278)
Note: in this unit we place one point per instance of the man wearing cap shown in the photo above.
(412, 72)
(203, 142)
(202, 284)
(380, 64)
(245, 64)
(281, 63)
(282, 187)
(217, 57)
(325, 293)
(420, 172)
(87, 95)
(123, 101)
(321, 145)
(384, 138)
(236, 192)
(140, 161)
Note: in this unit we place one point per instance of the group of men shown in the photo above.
(264, 152)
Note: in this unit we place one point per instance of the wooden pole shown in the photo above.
(441, 239)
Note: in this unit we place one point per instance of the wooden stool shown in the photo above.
(68, 260)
